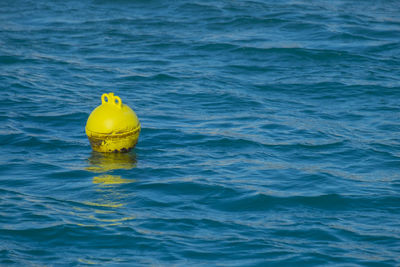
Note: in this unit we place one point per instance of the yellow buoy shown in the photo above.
(112, 126)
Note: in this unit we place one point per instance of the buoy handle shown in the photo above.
(111, 99)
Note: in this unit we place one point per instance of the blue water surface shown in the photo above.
(270, 133)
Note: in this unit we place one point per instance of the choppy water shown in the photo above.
(270, 133)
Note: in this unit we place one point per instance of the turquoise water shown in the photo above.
(270, 133)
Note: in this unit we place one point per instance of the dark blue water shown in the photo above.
(270, 133)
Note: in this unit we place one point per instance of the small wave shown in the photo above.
(273, 20)
(12, 60)
(263, 202)
(156, 77)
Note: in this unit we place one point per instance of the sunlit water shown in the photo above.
(270, 133)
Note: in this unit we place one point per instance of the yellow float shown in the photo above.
(112, 126)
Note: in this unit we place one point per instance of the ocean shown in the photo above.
(270, 133)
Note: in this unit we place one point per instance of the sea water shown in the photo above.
(270, 133)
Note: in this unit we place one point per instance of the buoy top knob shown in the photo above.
(110, 98)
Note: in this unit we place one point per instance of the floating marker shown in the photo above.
(112, 126)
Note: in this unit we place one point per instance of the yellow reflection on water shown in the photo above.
(104, 162)
(107, 179)
(108, 204)
(107, 209)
